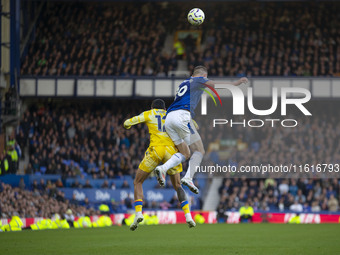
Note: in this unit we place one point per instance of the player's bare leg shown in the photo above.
(176, 159)
(138, 196)
(194, 162)
(176, 183)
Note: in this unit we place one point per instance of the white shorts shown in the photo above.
(180, 127)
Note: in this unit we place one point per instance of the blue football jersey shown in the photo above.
(188, 95)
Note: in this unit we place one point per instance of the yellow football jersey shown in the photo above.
(154, 119)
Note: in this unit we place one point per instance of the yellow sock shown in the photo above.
(185, 207)
(138, 205)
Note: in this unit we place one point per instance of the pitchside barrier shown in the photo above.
(177, 217)
(107, 87)
(97, 195)
(150, 183)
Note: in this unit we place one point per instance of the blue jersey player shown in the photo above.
(182, 129)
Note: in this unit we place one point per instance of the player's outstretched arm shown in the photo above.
(235, 83)
(134, 120)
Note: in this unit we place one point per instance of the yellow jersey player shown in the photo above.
(160, 150)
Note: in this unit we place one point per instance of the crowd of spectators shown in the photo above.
(100, 39)
(44, 200)
(76, 139)
(72, 140)
(315, 139)
(239, 39)
(253, 39)
(271, 39)
(296, 195)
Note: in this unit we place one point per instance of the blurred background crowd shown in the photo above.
(75, 140)
(92, 137)
(297, 195)
(86, 138)
(91, 39)
(274, 39)
(253, 39)
(41, 201)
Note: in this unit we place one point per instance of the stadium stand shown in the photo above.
(314, 140)
(92, 39)
(256, 39)
(87, 149)
(42, 201)
(272, 39)
(298, 195)
(82, 158)
(83, 141)
(78, 152)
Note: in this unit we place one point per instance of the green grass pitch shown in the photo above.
(178, 239)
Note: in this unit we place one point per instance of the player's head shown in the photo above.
(158, 104)
(200, 71)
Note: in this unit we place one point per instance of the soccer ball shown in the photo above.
(196, 16)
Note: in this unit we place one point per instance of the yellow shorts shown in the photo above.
(156, 155)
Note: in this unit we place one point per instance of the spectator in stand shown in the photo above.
(69, 217)
(165, 205)
(122, 208)
(34, 185)
(42, 186)
(174, 202)
(105, 185)
(113, 186)
(88, 185)
(315, 207)
(59, 183)
(284, 187)
(22, 184)
(76, 184)
(221, 216)
(125, 185)
(333, 204)
(74, 200)
(296, 207)
(113, 206)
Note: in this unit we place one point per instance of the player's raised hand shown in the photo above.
(127, 126)
(242, 80)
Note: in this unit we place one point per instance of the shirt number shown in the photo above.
(182, 91)
(161, 128)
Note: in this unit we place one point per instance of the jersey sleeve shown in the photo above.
(198, 82)
(135, 120)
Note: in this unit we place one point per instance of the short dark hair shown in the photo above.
(158, 104)
(200, 70)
